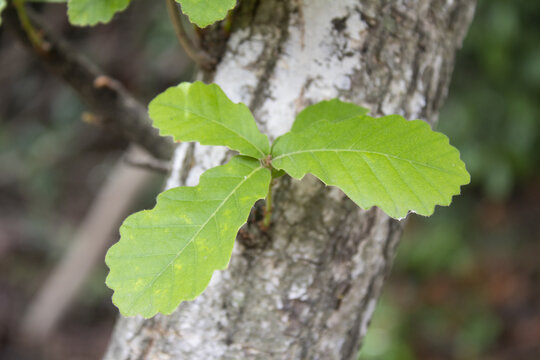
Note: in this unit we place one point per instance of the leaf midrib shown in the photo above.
(365, 152)
(143, 291)
(217, 123)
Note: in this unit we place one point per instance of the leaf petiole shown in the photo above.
(267, 220)
(267, 163)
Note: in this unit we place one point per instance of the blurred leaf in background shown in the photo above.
(493, 112)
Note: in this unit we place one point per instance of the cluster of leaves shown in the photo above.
(168, 254)
(91, 12)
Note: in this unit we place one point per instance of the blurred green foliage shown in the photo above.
(441, 301)
(492, 114)
(29, 148)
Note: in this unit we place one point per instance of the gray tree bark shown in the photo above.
(306, 288)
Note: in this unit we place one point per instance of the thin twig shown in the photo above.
(149, 162)
(199, 56)
(26, 24)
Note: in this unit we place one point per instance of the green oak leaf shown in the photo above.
(395, 164)
(333, 110)
(203, 113)
(2, 7)
(91, 12)
(206, 12)
(168, 254)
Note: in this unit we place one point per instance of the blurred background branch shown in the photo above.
(87, 248)
(107, 98)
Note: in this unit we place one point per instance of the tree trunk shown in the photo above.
(306, 288)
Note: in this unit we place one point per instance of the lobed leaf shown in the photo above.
(389, 162)
(206, 12)
(203, 113)
(333, 110)
(91, 12)
(168, 254)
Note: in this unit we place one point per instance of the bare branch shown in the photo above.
(106, 97)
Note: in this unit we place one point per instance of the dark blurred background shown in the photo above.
(466, 283)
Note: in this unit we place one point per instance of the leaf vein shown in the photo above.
(186, 110)
(191, 240)
(364, 152)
